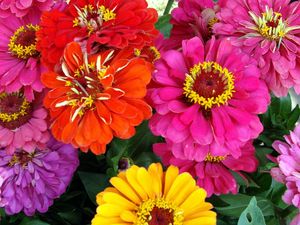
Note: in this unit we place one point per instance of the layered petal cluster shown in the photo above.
(269, 31)
(150, 197)
(192, 18)
(214, 172)
(31, 181)
(289, 168)
(20, 65)
(23, 124)
(94, 98)
(207, 99)
(112, 24)
(21, 8)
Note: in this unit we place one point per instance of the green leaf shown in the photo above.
(293, 118)
(93, 183)
(252, 215)
(28, 221)
(163, 25)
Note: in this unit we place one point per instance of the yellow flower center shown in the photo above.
(159, 211)
(15, 110)
(211, 23)
(214, 159)
(23, 42)
(208, 84)
(93, 17)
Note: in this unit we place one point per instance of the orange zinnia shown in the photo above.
(97, 97)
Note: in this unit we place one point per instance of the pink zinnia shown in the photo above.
(213, 174)
(289, 167)
(269, 31)
(22, 123)
(192, 18)
(19, 60)
(208, 96)
(296, 220)
(21, 8)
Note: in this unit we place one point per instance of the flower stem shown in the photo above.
(168, 7)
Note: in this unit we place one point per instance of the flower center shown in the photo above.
(15, 110)
(92, 18)
(159, 212)
(211, 23)
(214, 159)
(22, 158)
(208, 84)
(23, 42)
(87, 85)
(150, 53)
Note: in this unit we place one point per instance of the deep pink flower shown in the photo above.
(289, 167)
(269, 31)
(31, 181)
(208, 96)
(296, 220)
(20, 65)
(213, 173)
(192, 18)
(22, 123)
(21, 8)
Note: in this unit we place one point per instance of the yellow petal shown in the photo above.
(178, 185)
(125, 189)
(202, 221)
(131, 175)
(170, 176)
(145, 181)
(109, 210)
(190, 203)
(100, 220)
(128, 216)
(196, 211)
(156, 172)
(117, 199)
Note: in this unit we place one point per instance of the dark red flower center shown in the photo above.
(159, 216)
(23, 42)
(15, 110)
(22, 158)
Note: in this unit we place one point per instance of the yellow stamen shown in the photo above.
(214, 159)
(144, 212)
(209, 102)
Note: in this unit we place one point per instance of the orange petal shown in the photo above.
(97, 148)
(116, 105)
(73, 56)
(50, 81)
(103, 112)
(92, 127)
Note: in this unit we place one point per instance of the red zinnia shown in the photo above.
(112, 23)
(96, 97)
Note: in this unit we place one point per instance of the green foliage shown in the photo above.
(252, 215)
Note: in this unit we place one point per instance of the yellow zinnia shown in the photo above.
(153, 197)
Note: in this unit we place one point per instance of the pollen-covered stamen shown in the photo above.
(15, 110)
(211, 23)
(271, 25)
(209, 85)
(150, 53)
(23, 42)
(22, 158)
(88, 85)
(159, 212)
(93, 17)
(214, 159)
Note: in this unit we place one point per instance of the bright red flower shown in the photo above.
(94, 98)
(112, 23)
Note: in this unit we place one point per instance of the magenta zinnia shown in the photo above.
(31, 181)
(269, 31)
(209, 96)
(214, 172)
(19, 60)
(289, 168)
(22, 123)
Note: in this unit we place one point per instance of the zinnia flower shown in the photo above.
(289, 168)
(95, 98)
(151, 197)
(113, 23)
(33, 180)
(21, 8)
(208, 96)
(296, 220)
(22, 123)
(268, 31)
(192, 18)
(19, 60)
(214, 172)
